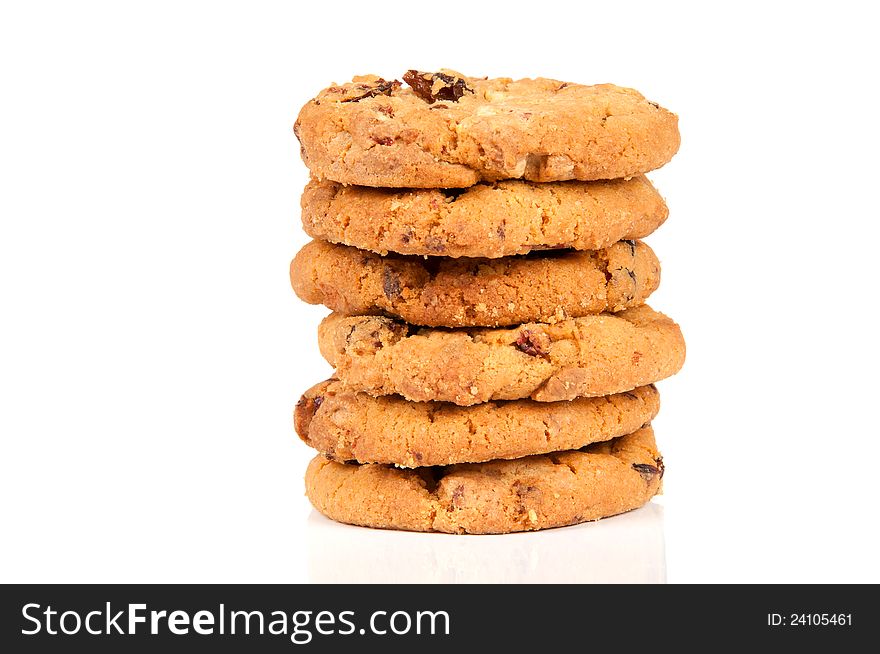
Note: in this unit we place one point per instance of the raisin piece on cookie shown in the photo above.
(381, 87)
(431, 87)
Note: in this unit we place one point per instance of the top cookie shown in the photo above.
(444, 130)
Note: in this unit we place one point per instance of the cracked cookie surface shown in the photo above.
(542, 287)
(578, 357)
(485, 220)
(349, 426)
(436, 133)
(536, 492)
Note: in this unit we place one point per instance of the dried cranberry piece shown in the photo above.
(528, 343)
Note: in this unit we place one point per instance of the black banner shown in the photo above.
(111, 618)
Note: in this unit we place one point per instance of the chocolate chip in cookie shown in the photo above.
(647, 471)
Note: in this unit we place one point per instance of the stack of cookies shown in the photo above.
(477, 242)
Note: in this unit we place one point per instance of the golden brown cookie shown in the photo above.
(444, 130)
(348, 426)
(577, 357)
(485, 220)
(540, 287)
(536, 492)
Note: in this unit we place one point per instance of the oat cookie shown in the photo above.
(536, 492)
(540, 287)
(444, 130)
(485, 220)
(577, 357)
(349, 426)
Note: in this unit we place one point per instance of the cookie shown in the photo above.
(444, 130)
(348, 426)
(536, 492)
(485, 220)
(577, 357)
(540, 287)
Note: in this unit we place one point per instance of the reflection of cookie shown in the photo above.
(587, 356)
(486, 220)
(348, 426)
(537, 492)
(543, 287)
(449, 131)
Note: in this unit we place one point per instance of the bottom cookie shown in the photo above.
(535, 492)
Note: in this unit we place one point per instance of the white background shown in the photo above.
(151, 349)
